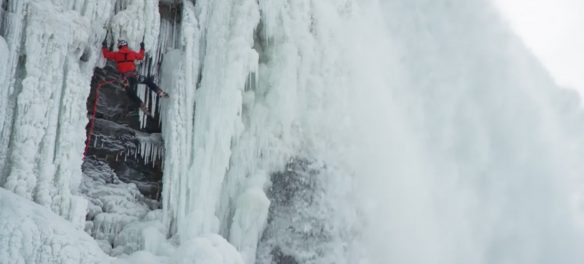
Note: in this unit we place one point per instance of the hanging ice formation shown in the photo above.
(297, 131)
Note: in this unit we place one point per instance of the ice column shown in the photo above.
(198, 146)
(12, 30)
(52, 55)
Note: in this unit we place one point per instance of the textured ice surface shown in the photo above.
(4, 53)
(118, 212)
(49, 67)
(33, 234)
(200, 157)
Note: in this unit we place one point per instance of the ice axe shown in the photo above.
(149, 59)
(104, 42)
(108, 36)
(111, 37)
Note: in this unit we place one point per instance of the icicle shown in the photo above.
(151, 154)
(145, 152)
(257, 77)
(158, 152)
(267, 18)
(158, 157)
(155, 103)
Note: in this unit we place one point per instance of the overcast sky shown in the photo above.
(554, 30)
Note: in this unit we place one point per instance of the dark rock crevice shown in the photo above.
(117, 137)
(299, 229)
(123, 136)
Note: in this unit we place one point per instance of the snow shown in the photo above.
(33, 234)
(211, 249)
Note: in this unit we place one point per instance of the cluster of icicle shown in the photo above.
(149, 149)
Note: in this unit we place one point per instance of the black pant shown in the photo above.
(133, 80)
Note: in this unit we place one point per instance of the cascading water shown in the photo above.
(300, 131)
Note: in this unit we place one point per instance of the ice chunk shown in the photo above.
(249, 221)
(210, 249)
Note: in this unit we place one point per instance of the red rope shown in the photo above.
(92, 120)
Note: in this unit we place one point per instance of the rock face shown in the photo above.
(300, 227)
(121, 135)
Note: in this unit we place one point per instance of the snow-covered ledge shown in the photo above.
(34, 234)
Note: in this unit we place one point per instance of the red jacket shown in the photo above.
(124, 58)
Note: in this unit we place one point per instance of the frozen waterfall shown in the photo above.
(296, 131)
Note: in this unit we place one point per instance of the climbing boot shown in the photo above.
(162, 93)
(145, 109)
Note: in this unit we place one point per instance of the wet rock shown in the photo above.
(118, 137)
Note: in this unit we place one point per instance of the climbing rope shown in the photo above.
(92, 120)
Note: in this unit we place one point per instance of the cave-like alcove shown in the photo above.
(121, 135)
(124, 154)
(118, 132)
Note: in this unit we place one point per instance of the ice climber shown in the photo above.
(124, 59)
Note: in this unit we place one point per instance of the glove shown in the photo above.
(141, 45)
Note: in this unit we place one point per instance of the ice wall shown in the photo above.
(52, 54)
(48, 51)
(210, 72)
(202, 157)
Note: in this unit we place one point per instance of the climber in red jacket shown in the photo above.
(124, 59)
